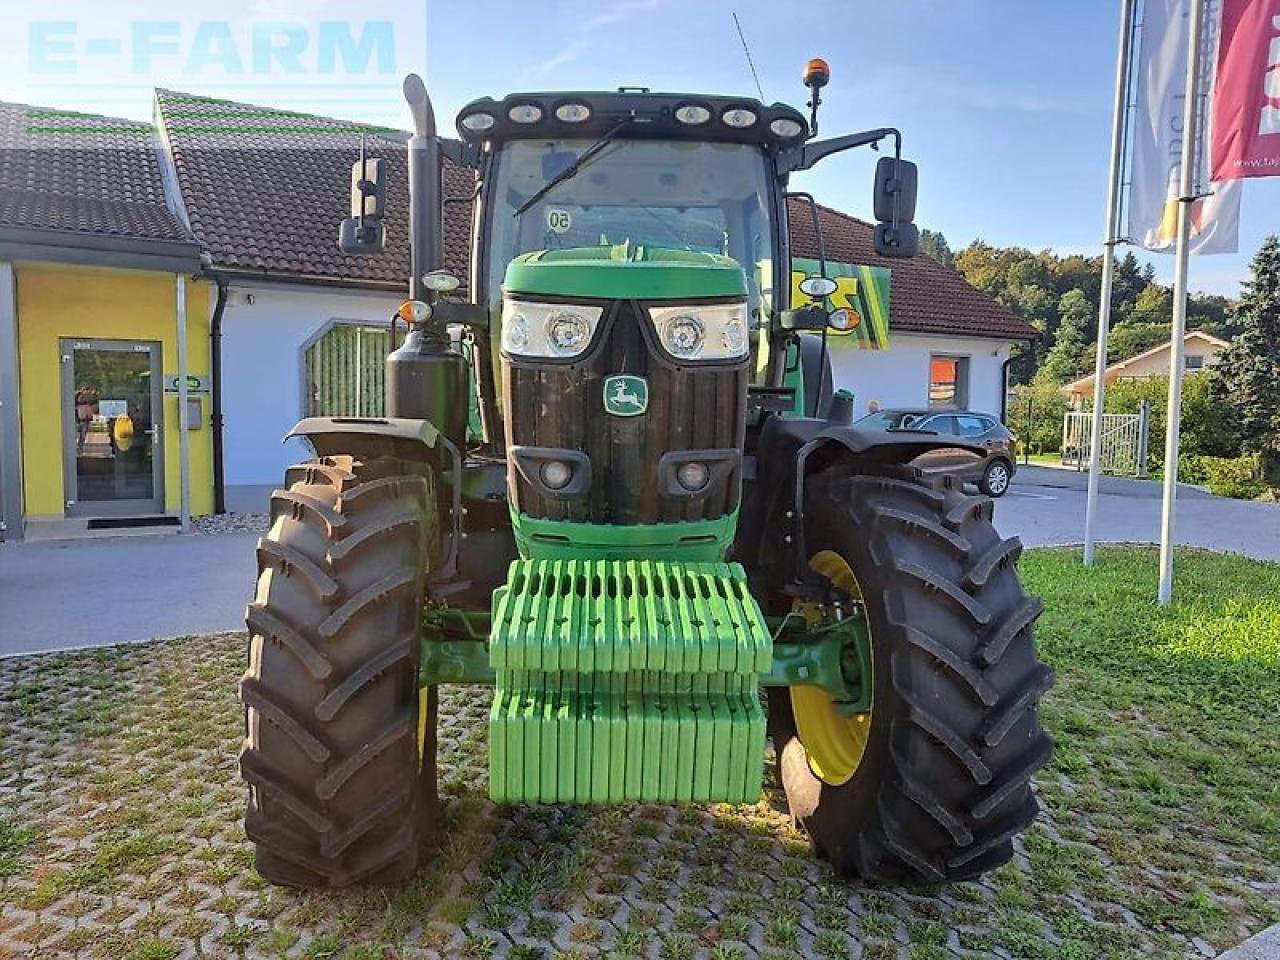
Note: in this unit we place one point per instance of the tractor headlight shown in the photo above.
(703, 332)
(547, 329)
(567, 332)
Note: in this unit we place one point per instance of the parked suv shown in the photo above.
(991, 472)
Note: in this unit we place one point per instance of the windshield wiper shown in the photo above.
(574, 168)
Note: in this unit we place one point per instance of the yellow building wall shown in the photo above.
(91, 303)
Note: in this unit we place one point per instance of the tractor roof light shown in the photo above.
(573, 112)
(739, 118)
(478, 122)
(693, 114)
(786, 127)
(524, 113)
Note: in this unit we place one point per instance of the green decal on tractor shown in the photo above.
(625, 395)
(628, 501)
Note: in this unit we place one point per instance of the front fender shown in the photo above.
(789, 451)
(399, 437)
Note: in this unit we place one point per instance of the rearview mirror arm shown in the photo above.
(804, 156)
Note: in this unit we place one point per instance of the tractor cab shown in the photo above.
(653, 178)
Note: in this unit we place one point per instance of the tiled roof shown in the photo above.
(265, 189)
(924, 295)
(83, 174)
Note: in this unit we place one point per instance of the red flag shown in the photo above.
(1246, 103)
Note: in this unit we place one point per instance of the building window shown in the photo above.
(1195, 362)
(948, 382)
(345, 371)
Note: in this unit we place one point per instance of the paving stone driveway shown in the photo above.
(120, 837)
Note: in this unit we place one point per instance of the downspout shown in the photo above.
(215, 373)
(1004, 390)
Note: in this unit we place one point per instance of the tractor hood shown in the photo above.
(624, 272)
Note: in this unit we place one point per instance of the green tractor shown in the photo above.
(614, 484)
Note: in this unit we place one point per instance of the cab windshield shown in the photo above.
(681, 195)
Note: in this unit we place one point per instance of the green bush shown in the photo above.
(1208, 429)
(1226, 476)
(1035, 415)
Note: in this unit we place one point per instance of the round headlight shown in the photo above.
(693, 114)
(478, 122)
(683, 335)
(734, 336)
(573, 112)
(525, 113)
(786, 127)
(567, 332)
(555, 474)
(515, 332)
(739, 117)
(693, 475)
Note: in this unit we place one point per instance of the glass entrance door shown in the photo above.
(112, 398)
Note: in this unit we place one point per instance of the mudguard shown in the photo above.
(403, 439)
(398, 437)
(770, 539)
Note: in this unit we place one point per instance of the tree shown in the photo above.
(1153, 305)
(1247, 372)
(934, 244)
(1064, 361)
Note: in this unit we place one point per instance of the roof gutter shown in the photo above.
(98, 250)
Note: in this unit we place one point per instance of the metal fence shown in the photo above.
(1124, 441)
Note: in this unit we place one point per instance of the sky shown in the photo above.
(1004, 104)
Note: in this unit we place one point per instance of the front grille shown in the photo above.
(691, 407)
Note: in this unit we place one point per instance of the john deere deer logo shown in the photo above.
(625, 395)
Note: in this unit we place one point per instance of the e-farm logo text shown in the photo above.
(244, 51)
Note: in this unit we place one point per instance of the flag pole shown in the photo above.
(1186, 198)
(1108, 270)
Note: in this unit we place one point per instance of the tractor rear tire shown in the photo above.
(944, 780)
(338, 793)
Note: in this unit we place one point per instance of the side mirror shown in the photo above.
(364, 231)
(894, 200)
(900, 241)
(896, 180)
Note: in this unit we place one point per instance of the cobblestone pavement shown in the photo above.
(232, 523)
(120, 837)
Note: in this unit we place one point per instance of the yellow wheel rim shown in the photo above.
(834, 743)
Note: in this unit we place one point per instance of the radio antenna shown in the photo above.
(747, 50)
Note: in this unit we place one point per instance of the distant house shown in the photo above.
(1200, 350)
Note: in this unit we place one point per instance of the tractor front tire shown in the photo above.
(338, 790)
(942, 782)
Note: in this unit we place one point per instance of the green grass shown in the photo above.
(120, 815)
(1217, 648)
